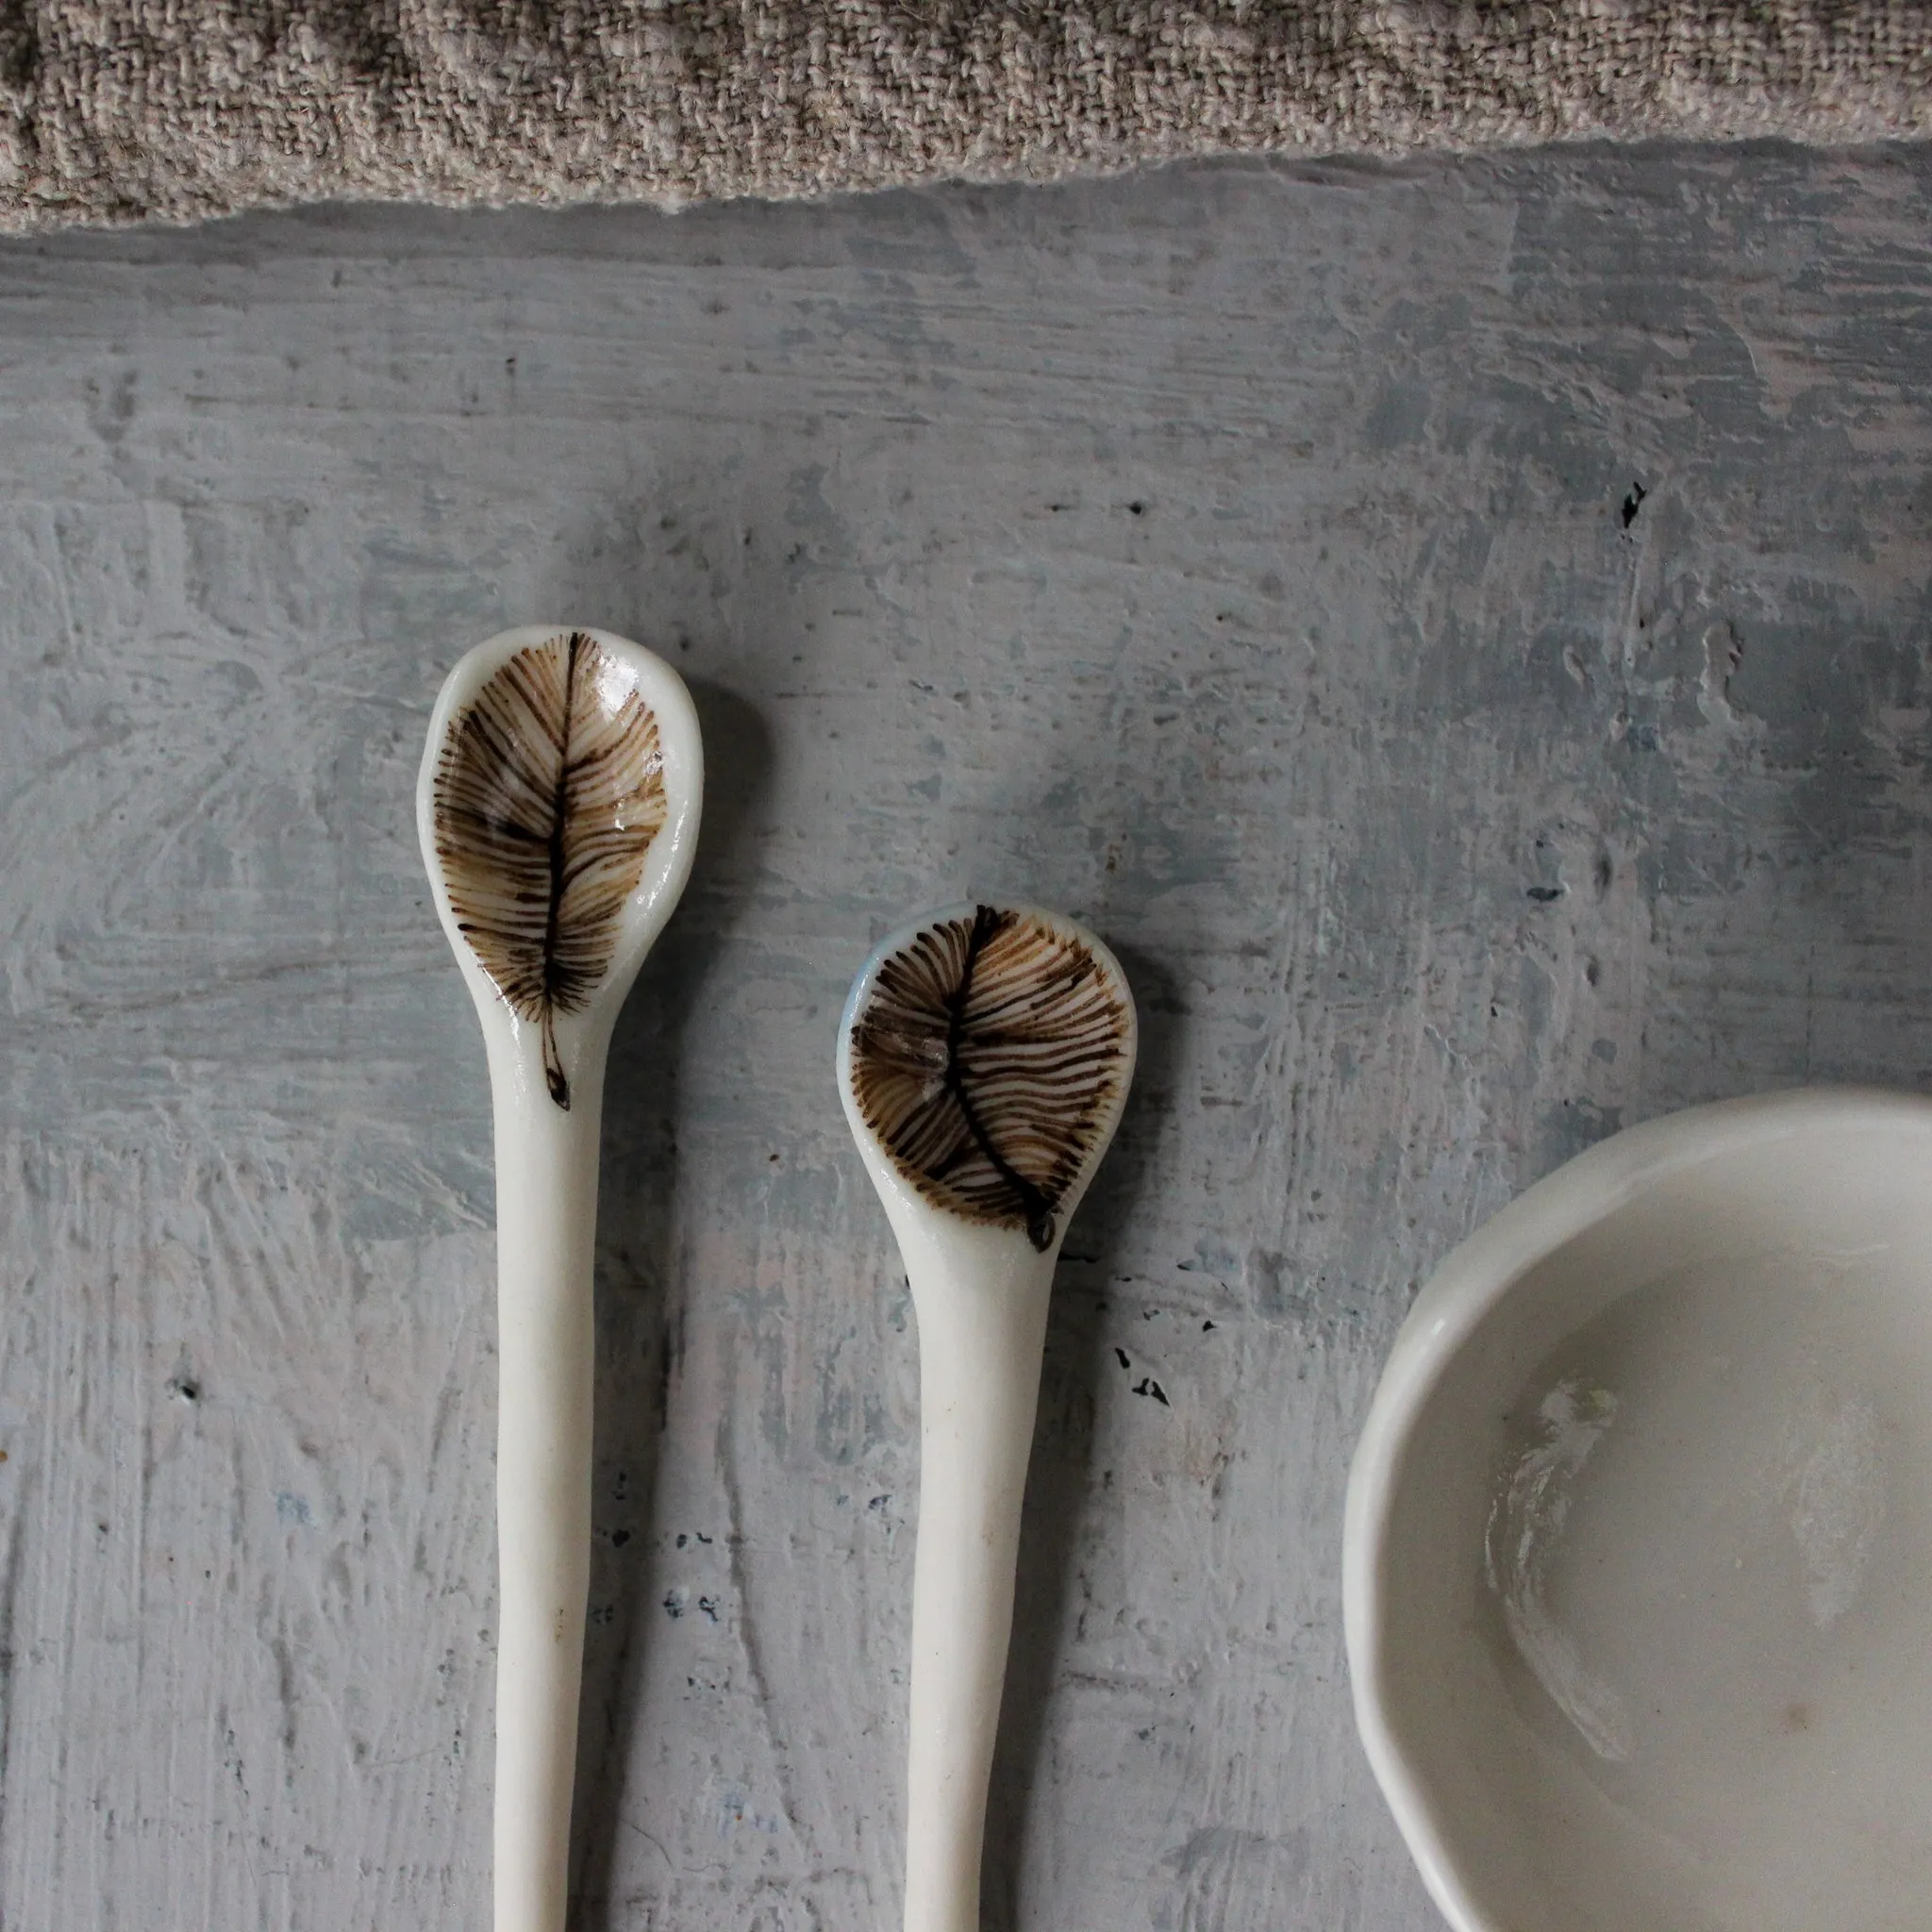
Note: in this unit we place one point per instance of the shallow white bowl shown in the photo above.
(1638, 1569)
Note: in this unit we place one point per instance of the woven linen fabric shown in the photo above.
(115, 110)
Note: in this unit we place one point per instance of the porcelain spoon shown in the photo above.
(984, 1058)
(557, 806)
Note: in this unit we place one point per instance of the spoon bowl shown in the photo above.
(1638, 1532)
(558, 807)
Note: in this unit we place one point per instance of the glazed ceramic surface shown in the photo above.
(984, 1058)
(1639, 1546)
(558, 807)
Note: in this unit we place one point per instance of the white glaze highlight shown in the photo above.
(1837, 1458)
(1526, 1524)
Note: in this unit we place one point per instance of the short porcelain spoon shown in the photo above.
(984, 1059)
(557, 806)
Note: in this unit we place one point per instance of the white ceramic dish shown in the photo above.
(1638, 1566)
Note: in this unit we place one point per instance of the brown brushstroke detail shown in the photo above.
(547, 797)
(989, 1051)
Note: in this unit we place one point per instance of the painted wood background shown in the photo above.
(1460, 632)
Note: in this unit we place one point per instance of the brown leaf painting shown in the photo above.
(991, 1051)
(548, 792)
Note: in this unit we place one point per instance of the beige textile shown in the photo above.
(124, 110)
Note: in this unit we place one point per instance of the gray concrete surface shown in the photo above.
(1460, 631)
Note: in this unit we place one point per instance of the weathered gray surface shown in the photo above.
(1234, 557)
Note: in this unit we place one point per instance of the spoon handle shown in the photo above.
(546, 1218)
(981, 1331)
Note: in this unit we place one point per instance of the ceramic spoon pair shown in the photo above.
(984, 1059)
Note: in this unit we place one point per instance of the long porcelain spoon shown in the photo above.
(558, 805)
(984, 1059)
